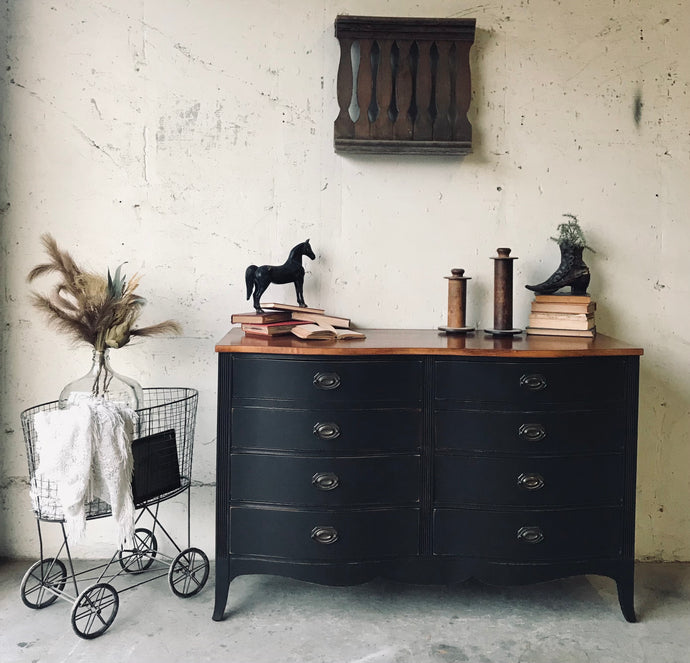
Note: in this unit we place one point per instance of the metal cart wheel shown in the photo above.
(41, 581)
(95, 610)
(189, 572)
(141, 555)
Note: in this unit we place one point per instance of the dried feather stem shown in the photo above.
(90, 308)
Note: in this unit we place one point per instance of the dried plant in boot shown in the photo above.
(571, 233)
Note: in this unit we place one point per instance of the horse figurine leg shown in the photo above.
(299, 286)
(258, 292)
(256, 281)
(262, 279)
(303, 249)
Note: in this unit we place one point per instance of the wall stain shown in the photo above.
(193, 123)
(98, 110)
(637, 108)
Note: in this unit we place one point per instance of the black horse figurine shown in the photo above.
(291, 271)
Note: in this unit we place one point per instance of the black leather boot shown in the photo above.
(571, 272)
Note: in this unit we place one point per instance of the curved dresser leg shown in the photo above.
(222, 586)
(626, 598)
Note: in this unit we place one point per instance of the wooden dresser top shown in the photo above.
(431, 342)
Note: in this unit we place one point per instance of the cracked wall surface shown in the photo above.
(191, 139)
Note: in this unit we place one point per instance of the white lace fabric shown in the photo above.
(86, 450)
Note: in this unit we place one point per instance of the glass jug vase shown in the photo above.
(103, 381)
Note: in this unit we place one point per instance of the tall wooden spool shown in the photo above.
(503, 294)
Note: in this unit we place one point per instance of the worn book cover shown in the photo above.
(292, 307)
(321, 319)
(271, 328)
(261, 318)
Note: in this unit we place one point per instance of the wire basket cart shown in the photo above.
(162, 451)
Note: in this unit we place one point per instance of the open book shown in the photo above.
(303, 322)
(325, 332)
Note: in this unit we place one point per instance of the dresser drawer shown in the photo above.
(324, 535)
(530, 383)
(324, 481)
(534, 482)
(531, 432)
(326, 430)
(528, 536)
(324, 381)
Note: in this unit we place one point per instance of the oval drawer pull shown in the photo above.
(532, 432)
(530, 535)
(324, 534)
(530, 481)
(533, 381)
(325, 480)
(326, 381)
(326, 430)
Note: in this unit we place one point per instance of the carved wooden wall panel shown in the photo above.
(404, 85)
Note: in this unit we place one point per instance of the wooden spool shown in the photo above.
(457, 300)
(503, 294)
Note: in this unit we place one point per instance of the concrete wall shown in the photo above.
(193, 138)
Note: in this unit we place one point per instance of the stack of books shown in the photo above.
(301, 321)
(562, 315)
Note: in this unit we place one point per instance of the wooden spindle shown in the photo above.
(364, 89)
(344, 126)
(462, 129)
(422, 126)
(383, 125)
(442, 128)
(402, 130)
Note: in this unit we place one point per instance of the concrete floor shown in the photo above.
(278, 620)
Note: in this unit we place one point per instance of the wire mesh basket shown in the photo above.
(162, 453)
(162, 450)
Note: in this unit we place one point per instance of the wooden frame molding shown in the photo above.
(404, 85)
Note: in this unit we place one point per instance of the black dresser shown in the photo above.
(428, 458)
